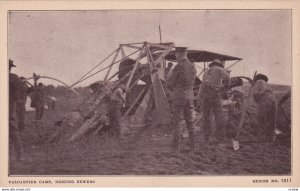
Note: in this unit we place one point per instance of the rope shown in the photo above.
(103, 69)
(96, 66)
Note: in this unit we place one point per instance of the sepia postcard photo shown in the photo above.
(197, 94)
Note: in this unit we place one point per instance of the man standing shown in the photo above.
(267, 107)
(14, 95)
(21, 104)
(117, 100)
(181, 82)
(212, 98)
(38, 98)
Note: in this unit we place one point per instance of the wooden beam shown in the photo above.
(133, 43)
(122, 51)
(109, 69)
(159, 46)
(135, 66)
(134, 103)
(131, 46)
(149, 56)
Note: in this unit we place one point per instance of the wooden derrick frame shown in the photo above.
(144, 49)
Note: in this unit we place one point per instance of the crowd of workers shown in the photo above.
(181, 82)
(183, 86)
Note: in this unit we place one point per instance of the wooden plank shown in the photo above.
(83, 128)
(131, 46)
(149, 56)
(109, 69)
(133, 43)
(161, 103)
(159, 46)
(135, 101)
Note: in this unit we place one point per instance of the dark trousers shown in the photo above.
(183, 109)
(39, 111)
(14, 134)
(267, 111)
(212, 101)
(115, 116)
(21, 116)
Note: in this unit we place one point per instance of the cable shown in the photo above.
(103, 69)
(96, 66)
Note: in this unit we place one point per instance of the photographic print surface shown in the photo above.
(92, 92)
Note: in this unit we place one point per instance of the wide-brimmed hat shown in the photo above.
(216, 62)
(261, 77)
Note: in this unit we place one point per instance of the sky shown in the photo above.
(67, 44)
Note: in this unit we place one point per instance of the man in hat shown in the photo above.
(212, 98)
(181, 82)
(15, 84)
(38, 98)
(117, 100)
(267, 107)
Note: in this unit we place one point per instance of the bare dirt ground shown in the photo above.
(150, 155)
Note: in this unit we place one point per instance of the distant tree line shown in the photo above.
(63, 91)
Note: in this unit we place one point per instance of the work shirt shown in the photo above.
(260, 89)
(214, 76)
(24, 89)
(182, 80)
(118, 95)
(15, 87)
(38, 96)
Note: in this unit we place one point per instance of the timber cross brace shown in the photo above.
(148, 66)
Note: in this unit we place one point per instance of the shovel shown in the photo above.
(235, 141)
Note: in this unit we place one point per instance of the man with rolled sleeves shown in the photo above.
(15, 85)
(212, 98)
(181, 82)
